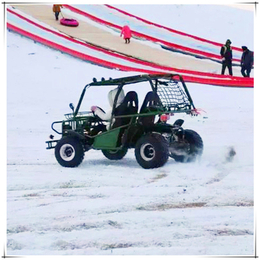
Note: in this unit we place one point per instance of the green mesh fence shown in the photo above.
(172, 95)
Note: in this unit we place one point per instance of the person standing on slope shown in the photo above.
(226, 54)
(126, 31)
(247, 61)
(57, 9)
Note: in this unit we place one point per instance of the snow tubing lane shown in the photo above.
(204, 81)
(111, 65)
(147, 37)
(240, 82)
(170, 29)
(174, 31)
(76, 54)
(122, 56)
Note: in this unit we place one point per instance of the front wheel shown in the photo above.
(115, 154)
(69, 152)
(151, 151)
(188, 149)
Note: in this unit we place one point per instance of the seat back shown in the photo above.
(127, 107)
(151, 100)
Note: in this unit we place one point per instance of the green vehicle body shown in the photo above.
(79, 124)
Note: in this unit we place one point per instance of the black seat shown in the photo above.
(129, 106)
(150, 103)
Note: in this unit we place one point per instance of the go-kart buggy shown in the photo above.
(131, 127)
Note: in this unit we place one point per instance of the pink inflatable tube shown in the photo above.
(69, 22)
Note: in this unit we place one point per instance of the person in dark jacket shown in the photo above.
(247, 61)
(226, 54)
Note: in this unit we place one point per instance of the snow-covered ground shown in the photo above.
(115, 207)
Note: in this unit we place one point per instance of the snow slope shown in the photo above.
(216, 22)
(30, 27)
(111, 208)
(117, 18)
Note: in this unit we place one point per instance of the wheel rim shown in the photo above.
(147, 152)
(67, 152)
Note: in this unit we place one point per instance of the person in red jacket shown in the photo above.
(126, 31)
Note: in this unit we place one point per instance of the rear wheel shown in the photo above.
(69, 152)
(189, 149)
(115, 154)
(151, 151)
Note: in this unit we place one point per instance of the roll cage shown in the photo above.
(174, 97)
